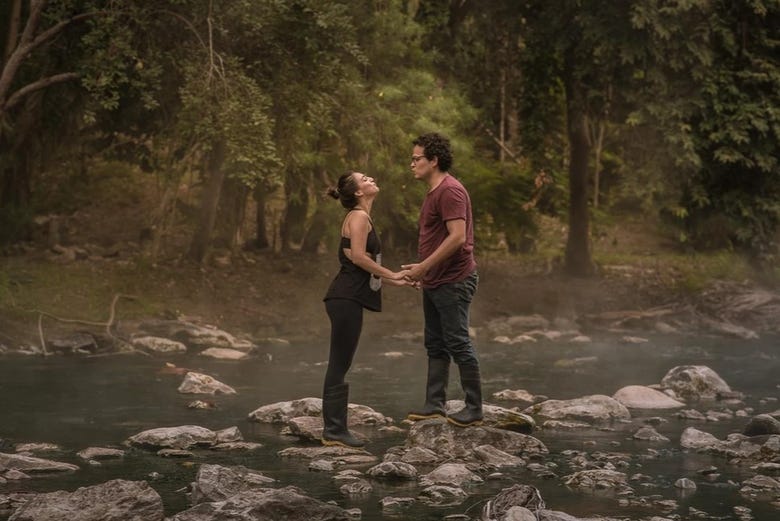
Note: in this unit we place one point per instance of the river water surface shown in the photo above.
(81, 402)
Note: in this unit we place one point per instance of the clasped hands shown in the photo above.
(410, 275)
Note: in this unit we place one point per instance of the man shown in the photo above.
(447, 271)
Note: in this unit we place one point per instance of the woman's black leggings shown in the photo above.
(346, 322)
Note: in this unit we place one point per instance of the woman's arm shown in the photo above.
(358, 226)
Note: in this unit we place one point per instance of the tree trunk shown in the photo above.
(261, 235)
(232, 210)
(599, 147)
(14, 23)
(578, 260)
(201, 239)
(294, 220)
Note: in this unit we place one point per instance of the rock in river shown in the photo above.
(158, 345)
(283, 412)
(30, 464)
(216, 482)
(393, 470)
(694, 382)
(116, 500)
(598, 479)
(284, 504)
(596, 408)
(516, 496)
(453, 474)
(224, 353)
(499, 417)
(695, 439)
(337, 454)
(762, 424)
(183, 437)
(97, 453)
(452, 443)
(198, 383)
(641, 397)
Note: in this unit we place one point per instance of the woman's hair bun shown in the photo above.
(334, 192)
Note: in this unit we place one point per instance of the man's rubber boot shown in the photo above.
(334, 417)
(435, 391)
(471, 414)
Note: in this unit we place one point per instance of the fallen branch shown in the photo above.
(107, 324)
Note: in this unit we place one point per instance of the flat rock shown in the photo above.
(181, 437)
(557, 425)
(30, 464)
(174, 453)
(198, 383)
(694, 382)
(116, 500)
(283, 412)
(458, 444)
(453, 474)
(598, 479)
(498, 417)
(596, 408)
(98, 453)
(322, 465)
(495, 458)
(641, 397)
(194, 334)
(37, 447)
(224, 353)
(217, 482)
(419, 456)
(341, 455)
(762, 424)
(517, 395)
(761, 487)
(237, 446)
(393, 470)
(288, 504)
(158, 345)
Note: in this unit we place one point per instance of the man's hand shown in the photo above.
(415, 272)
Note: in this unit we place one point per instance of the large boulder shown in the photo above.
(452, 443)
(452, 474)
(284, 504)
(337, 454)
(30, 464)
(762, 424)
(158, 345)
(498, 417)
(116, 500)
(694, 382)
(596, 408)
(216, 483)
(641, 397)
(761, 487)
(283, 412)
(198, 383)
(183, 437)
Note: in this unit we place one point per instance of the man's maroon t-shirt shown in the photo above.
(446, 202)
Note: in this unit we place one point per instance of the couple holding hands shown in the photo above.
(446, 272)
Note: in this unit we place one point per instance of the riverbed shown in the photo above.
(77, 402)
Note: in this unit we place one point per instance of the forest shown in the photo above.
(234, 116)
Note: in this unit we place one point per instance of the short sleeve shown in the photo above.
(453, 204)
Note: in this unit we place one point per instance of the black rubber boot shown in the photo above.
(471, 414)
(334, 417)
(435, 391)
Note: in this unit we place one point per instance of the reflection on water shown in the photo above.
(77, 402)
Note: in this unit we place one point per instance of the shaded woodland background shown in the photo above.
(218, 124)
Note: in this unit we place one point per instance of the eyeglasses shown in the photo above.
(417, 158)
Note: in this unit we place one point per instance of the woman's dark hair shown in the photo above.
(345, 190)
(436, 145)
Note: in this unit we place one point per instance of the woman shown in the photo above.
(357, 286)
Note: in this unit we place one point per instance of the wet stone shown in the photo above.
(393, 470)
(648, 433)
(685, 484)
(443, 495)
(358, 487)
(322, 465)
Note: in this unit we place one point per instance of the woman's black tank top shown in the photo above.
(353, 282)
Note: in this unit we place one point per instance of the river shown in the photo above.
(80, 402)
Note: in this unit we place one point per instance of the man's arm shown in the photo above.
(456, 238)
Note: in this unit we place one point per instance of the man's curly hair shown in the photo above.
(436, 145)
